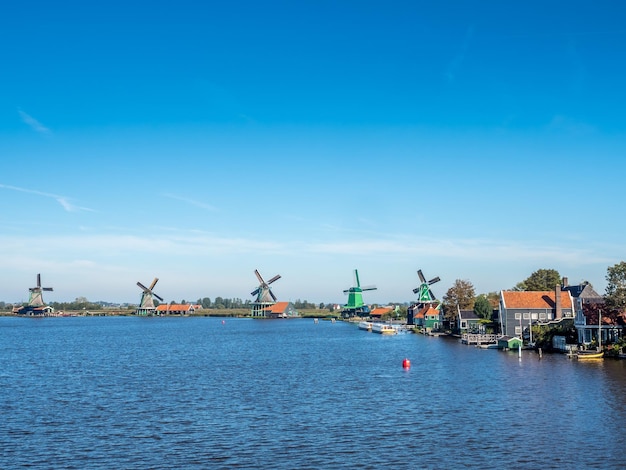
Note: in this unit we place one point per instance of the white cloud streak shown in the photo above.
(192, 202)
(33, 123)
(62, 200)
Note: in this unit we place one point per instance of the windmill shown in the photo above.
(146, 306)
(355, 303)
(35, 298)
(425, 297)
(264, 295)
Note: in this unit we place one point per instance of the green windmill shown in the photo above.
(355, 305)
(425, 295)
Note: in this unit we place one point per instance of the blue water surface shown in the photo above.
(180, 393)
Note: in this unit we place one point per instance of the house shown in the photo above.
(427, 317)
(280, 310)
(520, 309)
(31, 311)
(587, 304)
(378, 312)
(177, 309)
(469, 322)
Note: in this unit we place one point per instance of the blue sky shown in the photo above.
(198, 141)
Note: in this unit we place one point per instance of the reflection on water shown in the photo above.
(199, 393)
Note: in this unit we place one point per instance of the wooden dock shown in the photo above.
(473, 338)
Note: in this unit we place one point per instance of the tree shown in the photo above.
(494, 299)
(482, 307)
(615, 298)
(459, 296)
(540, 280)
(206, 302)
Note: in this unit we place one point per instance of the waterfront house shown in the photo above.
(587, 305)
(468, 321)
(177, 309)
(280, 310)
(378, 312)
(520, 309)
(428, 317)
(31, 311)
(433, 319)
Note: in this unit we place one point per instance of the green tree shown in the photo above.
(482, 307)
(494, 299)
(540, 280)
(615, 298)
(206, 302)
(460, 296)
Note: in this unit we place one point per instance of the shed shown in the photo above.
(509, 342)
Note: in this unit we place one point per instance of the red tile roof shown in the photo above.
(380, 311)
(535, 299)
(278, 307)
(175, 307)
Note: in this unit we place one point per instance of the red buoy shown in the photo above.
(406, 364)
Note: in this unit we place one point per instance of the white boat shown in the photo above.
(384, 329)
(365, 325)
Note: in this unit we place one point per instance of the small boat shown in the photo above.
(598, 354)
(587, 355)
(365, 325)
(384, 329)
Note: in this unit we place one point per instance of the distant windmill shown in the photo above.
(425, 294)
(355, 305)
(146, 306)
(35, 298)
(264, 293)
(425, 298)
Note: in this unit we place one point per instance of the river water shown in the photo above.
(185, 393)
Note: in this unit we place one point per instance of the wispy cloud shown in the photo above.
(457, 61)
(193, 202)
(33, 123)
(62, 200)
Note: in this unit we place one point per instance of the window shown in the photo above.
(518, 316)
(518, 330)
(527, 316)
(542, 316)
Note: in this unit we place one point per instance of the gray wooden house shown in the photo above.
(469, 322)
(520, 309)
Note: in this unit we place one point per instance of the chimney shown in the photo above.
(565, 282)
(558, 314)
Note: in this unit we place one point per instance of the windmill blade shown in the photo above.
(47, 288)
(258, 276)
(430, 293)
(346, 291)
(356, 278)
(433, 280)
(369, 288)
(156, 279)
(421, 275)
(275, 278)
(142, 286)
(255, 292)
(416, 290)
(273, 296)
(158, 296)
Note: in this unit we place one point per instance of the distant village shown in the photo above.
(567, 318)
